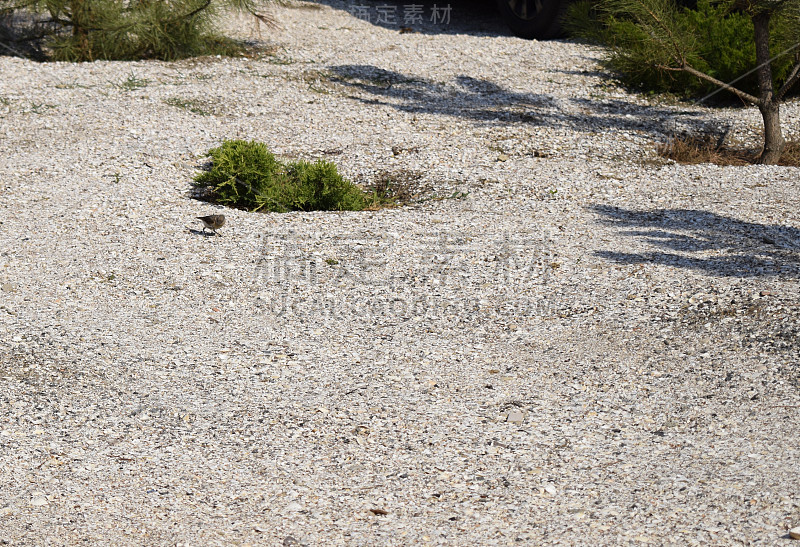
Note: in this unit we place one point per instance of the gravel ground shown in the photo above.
(575, 342)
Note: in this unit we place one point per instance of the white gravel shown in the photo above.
(585, 345)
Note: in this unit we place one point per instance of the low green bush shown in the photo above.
(247, 175)
(320, 187)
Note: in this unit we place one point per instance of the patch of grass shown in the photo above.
(132, 83)
(41, 108)
(183, 79)
(247, 175)
(318, 81)
(710, 149)
(396, 188)
(275, 59)
(72, 85)
(192, 105)
(457, 194)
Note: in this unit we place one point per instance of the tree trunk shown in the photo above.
(773, 139)
(769, 107)
(80, 22)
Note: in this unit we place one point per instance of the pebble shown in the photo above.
(39, 500)
(294, 506)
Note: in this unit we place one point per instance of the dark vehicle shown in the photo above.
(540, 19)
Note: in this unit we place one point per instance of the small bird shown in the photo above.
(213, 222)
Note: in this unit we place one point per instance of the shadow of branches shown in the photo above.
(705, 241)
(487, 102)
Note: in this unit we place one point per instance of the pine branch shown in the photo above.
(123, 29)
(679, 57)
(793, 78)
(12, 50)
(70, 22)
(192, 13)
(686, 67)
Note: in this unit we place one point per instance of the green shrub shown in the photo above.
(86, 30)
(723, 46)
(323, 188)
(247, 175)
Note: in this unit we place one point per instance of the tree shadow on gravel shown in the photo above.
(486, 102)
(737, 248)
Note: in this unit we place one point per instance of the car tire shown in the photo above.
(540, 19)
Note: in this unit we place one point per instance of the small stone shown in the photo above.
(794, 533)
(515, 417)
(294, 506)
(502, 157)
(550, 489)
(39, 500)
(378, 511)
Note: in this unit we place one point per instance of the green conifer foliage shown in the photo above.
(87, 30)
